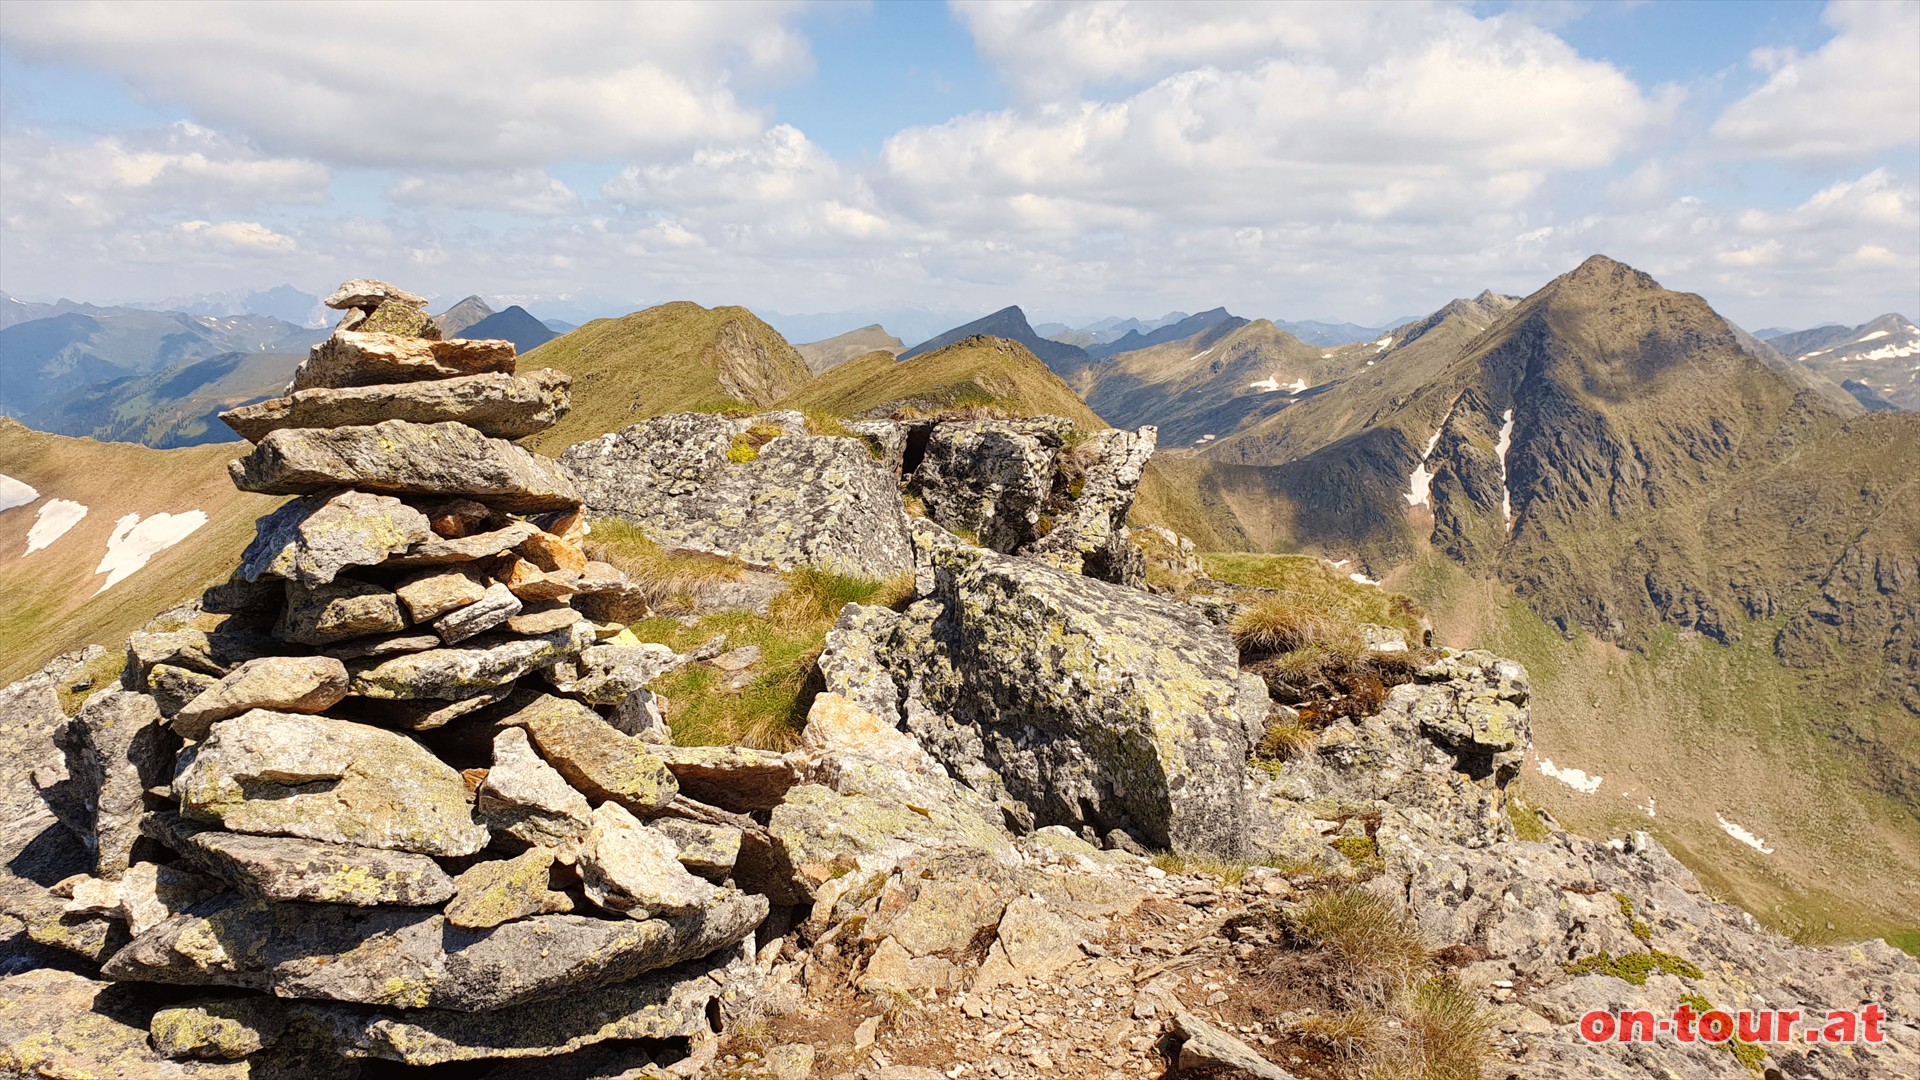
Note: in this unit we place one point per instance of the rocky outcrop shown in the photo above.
(1094, 705)
(759, 489)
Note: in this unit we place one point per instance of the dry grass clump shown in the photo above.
(1372, 937)
(670, 580)
(1394, 1018)
(1279, 624)
(1287, 738)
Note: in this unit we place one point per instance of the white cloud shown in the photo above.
(522, 191)
(241, 237)
(500, 84)
(1856, 96)
(53, 185)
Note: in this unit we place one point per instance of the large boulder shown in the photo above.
(318, 778)
(494, 403)
(1090, 537)
(991, 479)
(759, 489)
(395, 457)
(1095, 705)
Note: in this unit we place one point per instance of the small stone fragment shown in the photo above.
(470, 669)
(491, 893)
(336, 611)
(549, 552)
(461, 517)
(491, 610)
(432, 593)
(545, 620)
(300, 684)
(529, 582)
(707, 850)
(362, 648)
(406, 320)
(525, 798)
(370, 293)
(628, 867)
(468, 548)
(596, 759)
(218, 1029)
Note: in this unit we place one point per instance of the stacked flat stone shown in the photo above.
(401, 793)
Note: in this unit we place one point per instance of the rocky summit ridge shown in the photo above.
(405, 791)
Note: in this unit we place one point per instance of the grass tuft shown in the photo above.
(1371, 935)
(668, 579)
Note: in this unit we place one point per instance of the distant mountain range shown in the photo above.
(1877, 362)
(831, 352)
(472, 318)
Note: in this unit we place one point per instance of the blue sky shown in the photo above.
(1351, 161)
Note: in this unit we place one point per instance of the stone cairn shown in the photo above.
(409, 800)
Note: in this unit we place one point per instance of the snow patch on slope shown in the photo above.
(55, 518)
(1361, 579)
(15, 493)
(1739, 832)
(1500, 449)
(1420, 481)
(135, 541)
(1576, 779)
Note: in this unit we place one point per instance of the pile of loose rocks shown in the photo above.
(282, 808)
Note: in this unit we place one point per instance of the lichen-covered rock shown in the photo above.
(525, 798)
(1091, 537)
(341, 609)
(699, 481)
(631, 868)
(490, 893)
(354, 358)
(1482, 716)
(990, 478)
(63, 1026)
(287, 868)
(495, 606)
(413, 959)
(312, 539)
(609, 674)
(852, 665)
(116, 750)
(737, 778)
(469, 669)
(395, 457)
(218, 1029)
(707, 850)
(318, 778)
(172, 687)
(405, 320)
(301, 684)
(598, 760)
(836, 725)
(670, 1004)
(1094, 704)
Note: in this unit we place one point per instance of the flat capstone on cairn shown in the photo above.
(397, 805)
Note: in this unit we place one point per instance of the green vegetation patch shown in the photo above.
(771, 709)
(1634, 968)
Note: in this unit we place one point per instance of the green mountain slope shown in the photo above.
(665, 359)
(829, 353)
(178, 406)
(51, 600)
(1623, 480)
